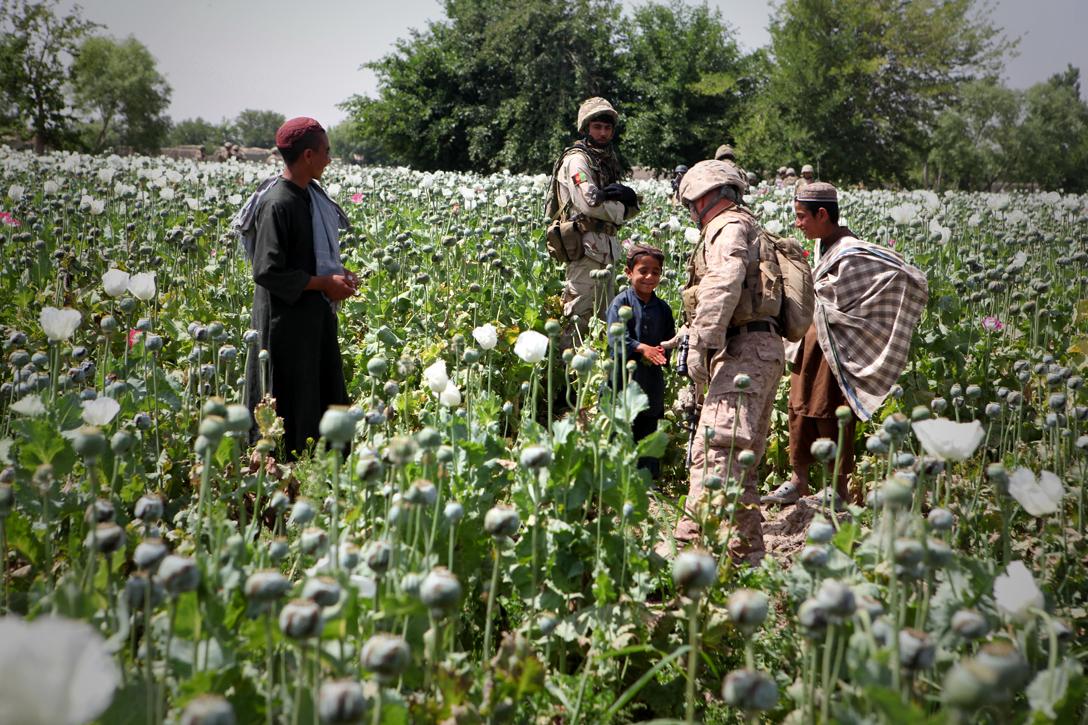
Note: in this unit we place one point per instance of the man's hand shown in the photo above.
(655, 355)
(697, 367)
(335, 286)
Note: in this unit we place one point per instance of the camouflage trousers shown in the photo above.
(585, 296)
(736, 420)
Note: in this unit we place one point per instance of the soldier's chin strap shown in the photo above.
(724, 192)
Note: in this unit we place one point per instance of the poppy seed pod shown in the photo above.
(876, 445)
(896, 493)
(747, 458)
(1007, 663)
(940, 519)
(750, 690)
(938, 553)
(238, 419)
(178, 574)
(920, 413)
(969, 624)
(313, 541)
(626, 313)
(89, 442)
(453, 512)
(428, 438)
(969, 685)
(376, 367)
(440, 592)
(213, 427)
(337, 426)
(341, 701)
(820, 531)
(693, 571)
(837, 599)
(369, 467)
(908, 552)
(742, 381)
(844, 413)
(501, 521)
(278, 548)
(99, 511)
(377, 557)
(266, 585)
(121, 442)
(536, 457)
(897, 425)
(748, 608)
(872, 606)
(149, 553)
(302, 512)
(421, 493)
(140, 590)
(322, 590)
(106, 538)
(148, 507)
(813, 557)
(300, 619)
(812, 617)
(208, 710)
(386, 655)
(916, 649)
(823, 449)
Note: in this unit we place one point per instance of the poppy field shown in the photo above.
(471, 541)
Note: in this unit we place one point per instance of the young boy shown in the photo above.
(651, 323)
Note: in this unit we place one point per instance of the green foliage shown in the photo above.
(974, 141)
(494, 86)
(687, 83)
(256, 128)
(854, 85)
(1054, 133)
(126, 96)
(198, 131)
(33, 76)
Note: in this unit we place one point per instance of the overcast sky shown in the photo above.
(303, 58)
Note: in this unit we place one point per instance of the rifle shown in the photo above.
(692, 411)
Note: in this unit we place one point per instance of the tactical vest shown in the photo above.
(602, 177)
(761, 291)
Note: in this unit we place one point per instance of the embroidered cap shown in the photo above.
(294, 129)
(818, 191)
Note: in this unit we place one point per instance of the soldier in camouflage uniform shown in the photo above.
(808, 175)
(732, 333)
(588, 193)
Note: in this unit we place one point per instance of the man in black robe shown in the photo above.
(292, 302)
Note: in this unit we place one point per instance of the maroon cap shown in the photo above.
(294, 129)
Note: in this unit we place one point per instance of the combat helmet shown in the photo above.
(725, 152)
(595, 107)
(706, 176)
(807, 169)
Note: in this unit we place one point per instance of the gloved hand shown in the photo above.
(621, 193)
(698, 367)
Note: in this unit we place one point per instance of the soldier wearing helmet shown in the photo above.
(808, 175)
(735, 356)
(780, 177)
(725, 153)
(589, 205)
(790, 179)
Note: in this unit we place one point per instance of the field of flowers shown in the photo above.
(462, 551)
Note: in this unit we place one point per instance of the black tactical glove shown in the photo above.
(621, 193)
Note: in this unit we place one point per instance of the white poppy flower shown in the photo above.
(769, 207)
(947, 439)
(142, 286)
(450, 395)
(50, 187)
(1016, 592)
(115, 282)
(531, 346)
(673, 223)
(903, 214)
(16, 193)
(166, 194)
(486, 336)
(774, 226)
(501, 200)
(100, 411)
(1038, 497)
(59, 325)
(54, 671)
(98, 206)
(692, 235)
(29, 406)
(435, 377)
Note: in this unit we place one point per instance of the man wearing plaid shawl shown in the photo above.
(868, 301)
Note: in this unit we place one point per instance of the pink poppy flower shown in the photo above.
(992, 324)
(357, 198)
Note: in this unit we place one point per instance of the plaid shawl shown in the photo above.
(868, 301)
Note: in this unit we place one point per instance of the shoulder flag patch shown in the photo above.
(580, 178)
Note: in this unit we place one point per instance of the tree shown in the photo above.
(496, 85)
(34, 45)
(855, 85)
(1054, 134)
(197, 131)
(687, 84)
(975, 140)
(257, 128)
(118, 84)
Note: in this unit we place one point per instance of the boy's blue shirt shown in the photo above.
(651, 322)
